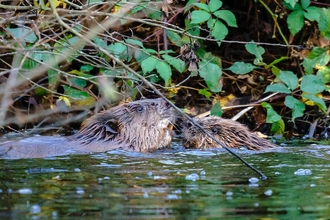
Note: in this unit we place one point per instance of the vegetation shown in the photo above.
(63, 56)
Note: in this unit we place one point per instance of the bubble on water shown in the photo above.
(203, 173)
(192, 177)
(156, 177)
(303, 172)
(54, 215)
(277, 173)
(229, 194)
(253, 180)
(149, 173)
(145, 195)
(25, 191)
(35, 209)
(172, 197)
(80, 190)
(77, 170)
(312, 185)
(106, 178)
(268, 192)
(178, 191)
(256, 204)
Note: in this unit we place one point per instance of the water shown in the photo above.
(169, 185)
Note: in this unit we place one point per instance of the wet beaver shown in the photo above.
(142, 126)
(231, 133)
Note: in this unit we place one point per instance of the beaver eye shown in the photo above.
(214, 130)
(140, 109)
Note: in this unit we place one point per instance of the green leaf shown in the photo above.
(200, 16)
(178, 64)
(272, 115)
(278, 127)
(218, 30)
(202, 6)
(295, 21)
(119, 50)
(312, 84)
(148, 65)
(134, 42)
(305, 3)
(164, 71)
(241, 68)
(216, 109)
(289, 78)
(255, 50)
(324, 23)
(319, 102)
(75, 93)
(205, 92)
(100, 42)
(312, 13)
(174, 38)
(227, 16)
(278, 87)
(212, 74)
(297, 106)
(324, 74)
(292, 3)
(23, 34)
(214, 5)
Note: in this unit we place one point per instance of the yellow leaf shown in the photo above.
(65, 100)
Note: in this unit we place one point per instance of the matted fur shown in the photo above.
(140, 126)
(233, 134)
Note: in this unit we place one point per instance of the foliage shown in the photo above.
(179, 49)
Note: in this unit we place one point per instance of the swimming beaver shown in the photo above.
(141, 126)
(231, 133)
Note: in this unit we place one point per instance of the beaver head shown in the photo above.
(142, 126)
(229, 132)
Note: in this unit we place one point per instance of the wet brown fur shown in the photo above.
(233, 134)
(141, 126)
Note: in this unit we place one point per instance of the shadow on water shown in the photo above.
(172, 184)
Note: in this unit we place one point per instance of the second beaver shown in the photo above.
(229, 132)
(141, 126)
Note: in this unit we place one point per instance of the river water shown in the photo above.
(174, 184)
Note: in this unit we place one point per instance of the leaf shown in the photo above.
(100, 42)
(119, 50)
(218, 30)
(319, 102)
(23, 34)
(200, 16)
(278, 127)
(292, 3)
(295, 21)
(324, 23)
(202, 6)
(272, 116)
(277, 87)
(241, 68)
(305, 3)
(148, 65)
(214, 5)
(178, 64)
(324, 74)
(255, 50)
(297, 106)
(312, 13)
(312, 84)
(174, 38)
(80, 98)
(205, 93)
(134, 42)
(227, 16)
(212, 74)
(216, 109)
(289, 78)
(164, 71)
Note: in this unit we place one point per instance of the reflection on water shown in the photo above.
(169, 184)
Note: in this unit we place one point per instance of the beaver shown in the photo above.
(141, 126)
(231, 133)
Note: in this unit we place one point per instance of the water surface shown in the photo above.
(169, 185)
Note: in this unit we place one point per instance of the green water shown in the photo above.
(169, 185)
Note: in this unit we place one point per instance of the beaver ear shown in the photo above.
(111, 126)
